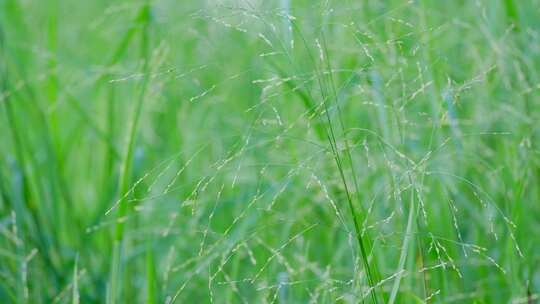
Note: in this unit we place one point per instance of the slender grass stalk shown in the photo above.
(125, 173)
(404, 248)
(363, 241)
(331, 137)
(328, 130)
(119, 52)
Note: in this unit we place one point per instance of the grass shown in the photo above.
(260, 152)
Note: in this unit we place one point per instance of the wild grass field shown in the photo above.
(287, 151)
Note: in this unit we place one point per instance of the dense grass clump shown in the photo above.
(246, 151)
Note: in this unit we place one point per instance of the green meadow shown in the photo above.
(286, 151)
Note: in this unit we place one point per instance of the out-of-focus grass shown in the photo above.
(287, 152)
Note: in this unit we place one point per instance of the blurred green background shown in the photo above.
(285, 151)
